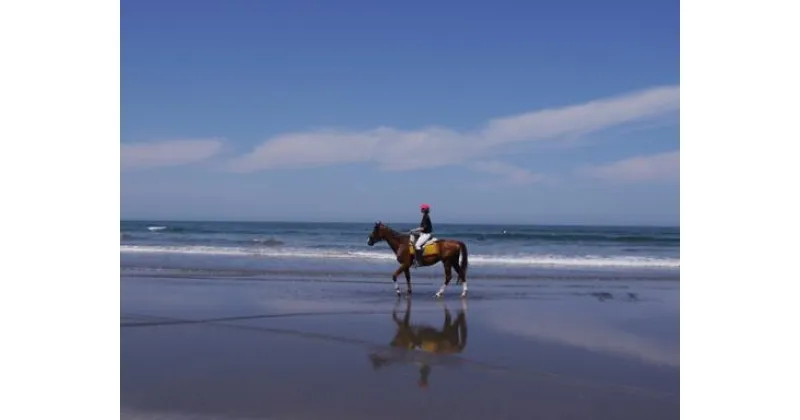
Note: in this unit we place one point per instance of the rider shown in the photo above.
(424, 230)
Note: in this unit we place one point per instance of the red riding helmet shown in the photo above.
(425, 207)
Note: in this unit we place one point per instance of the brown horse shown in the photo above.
(449, 340)
(449, 252)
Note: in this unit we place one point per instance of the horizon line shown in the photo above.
(398, 222)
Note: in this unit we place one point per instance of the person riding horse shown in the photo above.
(423, 233)
(451, 253)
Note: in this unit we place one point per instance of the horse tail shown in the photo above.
(464, 260)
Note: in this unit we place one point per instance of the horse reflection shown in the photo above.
(422, 344)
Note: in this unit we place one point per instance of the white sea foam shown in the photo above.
(543, 260)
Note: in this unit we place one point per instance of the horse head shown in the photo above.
(377, 233)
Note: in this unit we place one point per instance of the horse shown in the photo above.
(451, 339)
(446, 251)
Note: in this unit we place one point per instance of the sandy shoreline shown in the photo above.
(205, 348)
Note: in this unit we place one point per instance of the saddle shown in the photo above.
(430, 247)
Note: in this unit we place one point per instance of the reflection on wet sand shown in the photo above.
(422, 344)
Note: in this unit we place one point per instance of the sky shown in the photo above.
(562, 112)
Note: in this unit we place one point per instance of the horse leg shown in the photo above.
(407, 272)
(462, 279)
(448, 275)
(454, 262)
(394, 278)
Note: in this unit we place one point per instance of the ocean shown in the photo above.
(254, 249)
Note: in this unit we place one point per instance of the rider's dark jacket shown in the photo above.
(425, 224)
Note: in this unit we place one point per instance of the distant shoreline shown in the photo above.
(401, 223)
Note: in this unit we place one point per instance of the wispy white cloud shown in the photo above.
(393, 149)
(168, 152)
(657, 167)
(583, 118)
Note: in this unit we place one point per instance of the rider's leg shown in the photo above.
(423, 237)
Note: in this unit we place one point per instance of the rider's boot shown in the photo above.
(418, 257)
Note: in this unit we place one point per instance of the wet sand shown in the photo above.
(275, 348)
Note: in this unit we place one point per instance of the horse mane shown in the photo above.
(392, 231)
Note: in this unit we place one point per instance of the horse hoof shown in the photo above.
(437, 296)
(398, 292)
(408, 292)
(463, 295)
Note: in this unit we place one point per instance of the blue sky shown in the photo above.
(507, 112)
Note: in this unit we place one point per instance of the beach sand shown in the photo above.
(316, 348)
